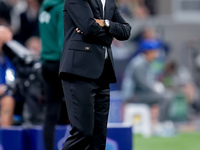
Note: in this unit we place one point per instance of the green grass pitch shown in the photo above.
(181, 141)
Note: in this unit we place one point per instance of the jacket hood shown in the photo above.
(48, 4)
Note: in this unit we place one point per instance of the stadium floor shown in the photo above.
(181, 141)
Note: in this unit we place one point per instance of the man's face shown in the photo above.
(152, 55)
(5, 34)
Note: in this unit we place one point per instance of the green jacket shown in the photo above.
(51, 29)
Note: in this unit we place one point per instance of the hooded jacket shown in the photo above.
(51, 29)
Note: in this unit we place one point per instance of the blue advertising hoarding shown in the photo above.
(19, 138)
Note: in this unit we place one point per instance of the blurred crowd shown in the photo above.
(19, 19)
(166, 87)
(137, 9)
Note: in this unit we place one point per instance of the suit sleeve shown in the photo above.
(119, 28)
(82, 16)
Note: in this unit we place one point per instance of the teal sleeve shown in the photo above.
(60, 27)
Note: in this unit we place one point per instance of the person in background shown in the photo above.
(52, 36)
(34, 45)
(5, 17)
(149, 33)
(178, 79)
(133, 9)
(32, 89)
(139, 85)
(7, 101)
(29, 21)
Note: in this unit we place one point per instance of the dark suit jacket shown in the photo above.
(84, 54)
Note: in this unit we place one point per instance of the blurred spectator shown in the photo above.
(34, 45)
(17, 7)
(179, 80)
(5, 18)
(28, 81)
(6, 81)
(134, 8)
(52, 36)
(140, 10)
(29, 21)
(125, 8)
(149, 33)
(151, 6)
(32, 84)
(139, 85)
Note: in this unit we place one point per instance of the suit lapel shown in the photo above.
(101, 7)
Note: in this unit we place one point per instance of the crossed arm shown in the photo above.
(99, 21)
(94, 28)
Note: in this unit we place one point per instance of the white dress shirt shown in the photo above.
(103, 3)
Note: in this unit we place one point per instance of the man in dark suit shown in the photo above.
(86, 68)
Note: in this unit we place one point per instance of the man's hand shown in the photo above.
(79, 31)
(100, 22)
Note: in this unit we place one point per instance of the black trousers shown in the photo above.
(53, 100)
(88, 107)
